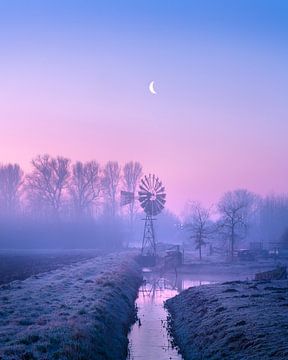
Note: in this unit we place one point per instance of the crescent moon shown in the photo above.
(151, 88)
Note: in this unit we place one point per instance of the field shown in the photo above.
(19, 265)
(78, 311)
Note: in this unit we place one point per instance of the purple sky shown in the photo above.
(74, 81)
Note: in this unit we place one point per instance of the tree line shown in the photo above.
(238, 218)
(58, 188)
(59, 203)
(58, 191)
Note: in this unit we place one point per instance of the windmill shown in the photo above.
(152, 198)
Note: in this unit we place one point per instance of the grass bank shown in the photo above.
(82, 311)
(233, 320)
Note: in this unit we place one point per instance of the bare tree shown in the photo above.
(110, 182)
(48, 181)
(11, 178)
(234, 208)
(132, 173)
(273, 219)
(199, 225)
(85, 187)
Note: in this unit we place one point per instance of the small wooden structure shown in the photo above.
(173, 257)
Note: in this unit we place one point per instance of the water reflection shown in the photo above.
(148, 338)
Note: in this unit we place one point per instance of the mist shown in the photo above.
(64, 205)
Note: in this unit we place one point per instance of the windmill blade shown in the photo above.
(161, 190)
(161, 196)
(147, 182)
(144, 205)
(158, 185)
(161, 201)
(161, 206)
(143, 197)
(156, 207)
(150, 182)
(143, 193)
(144, 186)
(144, 202)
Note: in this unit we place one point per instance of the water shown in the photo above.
(148, 338)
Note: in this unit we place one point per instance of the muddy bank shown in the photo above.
(82, 311)
(233, 320)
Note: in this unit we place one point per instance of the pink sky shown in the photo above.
(198, 153)
(75, 83)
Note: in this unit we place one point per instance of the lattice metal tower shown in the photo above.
(148, 241)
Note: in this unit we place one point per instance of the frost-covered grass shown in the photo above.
(21, 264)
(233, 320)
(82, 311)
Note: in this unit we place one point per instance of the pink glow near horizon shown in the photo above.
(193, 164)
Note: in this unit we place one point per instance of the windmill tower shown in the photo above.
(152, 198)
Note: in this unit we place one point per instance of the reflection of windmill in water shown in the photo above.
(154, 283)
(152, 198)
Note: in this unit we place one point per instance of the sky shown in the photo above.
(74, 78)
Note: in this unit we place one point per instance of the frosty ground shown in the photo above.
(20, 264)
(233, 320)
(82, 311)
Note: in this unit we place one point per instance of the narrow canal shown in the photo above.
(149, 338)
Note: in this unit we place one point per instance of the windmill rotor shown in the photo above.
(152, 196)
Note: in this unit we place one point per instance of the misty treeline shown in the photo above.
(239, 219)
(59, 204)
(57, 188)
(63, 202)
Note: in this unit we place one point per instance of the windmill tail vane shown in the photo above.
(126, 198)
